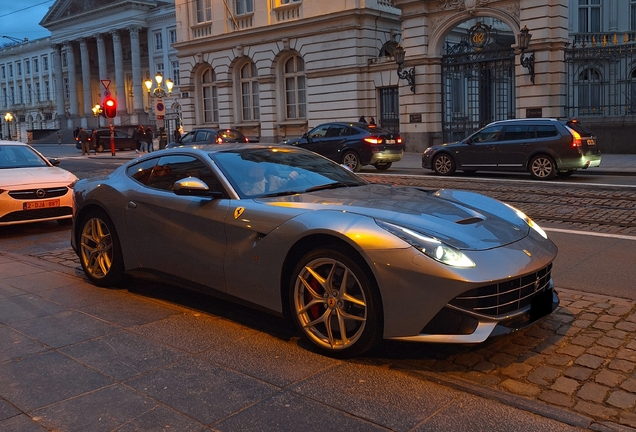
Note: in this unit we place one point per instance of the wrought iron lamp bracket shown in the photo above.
(528, 63)
(408, 75)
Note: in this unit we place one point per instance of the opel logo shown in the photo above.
(40, 193)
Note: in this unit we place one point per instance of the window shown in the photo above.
(45, 63)
(158, 41)
(162, 173)
(244, 7)
(546, 131)
(37, 91)
(20, 94)
(67, 92)
(12, 95)
(175, 73)
(295, 90)
(29, 94)
(27, 67)
(209, 96)
(589, 84)
(18, 68)
(10, 70)
(589, 16)
(47, 90)
(517, 132)
(64, 59)
(3, 72)
(159, 70)
(172, 34)
(204, 11)
(36, 66)
(249, 93)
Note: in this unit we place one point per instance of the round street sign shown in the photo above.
(160, 107)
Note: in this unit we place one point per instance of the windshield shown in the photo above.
(17, 156)
(259, 172)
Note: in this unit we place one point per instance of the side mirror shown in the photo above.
(192, 186)
(54, 161)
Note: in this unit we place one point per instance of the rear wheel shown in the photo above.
(99, 250)
(352, 160)
(443, 164)
(542, 167)
(334, 304)
(383, 166)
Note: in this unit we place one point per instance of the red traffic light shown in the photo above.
(110, 107)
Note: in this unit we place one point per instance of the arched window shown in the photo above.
(209, 97)
(250, 109)
(295, 88)
(589, 84)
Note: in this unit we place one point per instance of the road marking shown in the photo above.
(590, 233)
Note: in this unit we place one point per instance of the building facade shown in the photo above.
(96, 48)
(276, 68)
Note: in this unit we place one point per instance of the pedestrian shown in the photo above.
(76, 133)
(95, 139)
(372, 122)
(143, 145)
(59, 138)
(150, 139)
(82, 137)
(177, 135)
(137, 136)
(362, 119)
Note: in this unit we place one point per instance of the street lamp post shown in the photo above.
(8, 118)
(158, 93)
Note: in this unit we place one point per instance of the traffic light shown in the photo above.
(110, 107)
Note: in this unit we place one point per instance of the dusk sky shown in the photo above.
(20, 19)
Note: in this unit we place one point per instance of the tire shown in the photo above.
(443, 164)
(566, 173)
(542, 167)
(383, 166)
(341, 323)
(100, 250)
(352, 160)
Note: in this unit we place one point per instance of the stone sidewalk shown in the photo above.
(582, 358)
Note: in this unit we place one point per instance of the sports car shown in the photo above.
(289, 231)
(33, 188)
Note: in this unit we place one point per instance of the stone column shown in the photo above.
(120, 92)
(101, 57)
(58, 86)
(72, 79)
(138, 102)
(86, 79)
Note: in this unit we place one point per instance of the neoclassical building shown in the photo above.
(96, 46)
(276, 68)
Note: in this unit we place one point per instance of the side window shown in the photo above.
(546, 131)
(141, 171)
(171, 168)
(319, 132)
(335, 131)
(516, 133)
(488, 134)
(189, 137)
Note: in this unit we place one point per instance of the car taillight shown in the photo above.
(576, 138)
(373, 140)
(398, 140)
(219, 140)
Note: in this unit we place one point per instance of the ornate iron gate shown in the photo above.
(478, 84)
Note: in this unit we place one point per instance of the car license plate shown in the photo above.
(41, 204)
(591, 142)
(390, 141)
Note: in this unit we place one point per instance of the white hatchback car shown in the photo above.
(33, 188)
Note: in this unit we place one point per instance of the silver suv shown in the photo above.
(543, 147)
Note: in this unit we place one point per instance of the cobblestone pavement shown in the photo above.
(581, 359)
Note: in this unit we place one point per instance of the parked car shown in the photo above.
(210, 136)
(544, 147)
(353, 144)
(123, 141)
(33, 188)
(289, 231)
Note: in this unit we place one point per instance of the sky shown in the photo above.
(20, 19)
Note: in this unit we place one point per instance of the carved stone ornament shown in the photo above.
(462, 4)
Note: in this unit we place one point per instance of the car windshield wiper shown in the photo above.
(333, 185)
(283, 193)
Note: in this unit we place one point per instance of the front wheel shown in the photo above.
(443, 164)
(383, 166)
(334, 304)
(99, 250)
(542, 167)
(352, 160)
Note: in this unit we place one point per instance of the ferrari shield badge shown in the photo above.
(238, 212)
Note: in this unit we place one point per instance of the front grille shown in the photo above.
(32, 194)
(29, 215)
(505, 297)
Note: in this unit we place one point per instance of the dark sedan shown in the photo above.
(353, 144)
(210, 136)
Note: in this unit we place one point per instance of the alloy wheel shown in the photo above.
(96, 248)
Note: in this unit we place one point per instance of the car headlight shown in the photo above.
(428, 245)
(532, 224)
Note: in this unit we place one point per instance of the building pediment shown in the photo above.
(64, 11)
